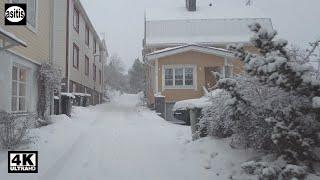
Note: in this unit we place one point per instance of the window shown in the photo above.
(86, 66)
(179, 76)
(100, 77)
(32, 12)
(76, 19)
(94, 46)
(94, 72)
(87, 35)
(188, 76)
(75, 56)
(169, 77)
(19, 89)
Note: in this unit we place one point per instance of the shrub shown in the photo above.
(13, 129)
(215, 118)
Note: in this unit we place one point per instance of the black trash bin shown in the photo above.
(66, 104)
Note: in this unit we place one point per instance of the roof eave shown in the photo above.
(186, 48)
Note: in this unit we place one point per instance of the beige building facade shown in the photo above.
(78, 50)
(19, 62)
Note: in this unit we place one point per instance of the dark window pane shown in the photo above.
(168, 74)
(23, 75)
(14, 88)
(22, 89)
(169, 82)
(22, 104)
(14, 73)
(189, 76)
(189, 82)
(14, 103)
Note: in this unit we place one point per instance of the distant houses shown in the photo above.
(184, 45)
(57, 32)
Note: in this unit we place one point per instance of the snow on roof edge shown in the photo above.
(205, 49)
(187, 45)
(12, 37)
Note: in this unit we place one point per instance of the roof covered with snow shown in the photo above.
(207, 25)
(214, 12)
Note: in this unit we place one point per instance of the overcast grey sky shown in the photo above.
(122, 20)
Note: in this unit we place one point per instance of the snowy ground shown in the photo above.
(123, 141)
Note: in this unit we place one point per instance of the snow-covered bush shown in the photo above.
(13, 129)
(215, 118)
(279, 107)
(49, 78)
(276, 169)
(274, 108)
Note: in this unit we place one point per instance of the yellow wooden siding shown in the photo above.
(38, 42)
(201, 60)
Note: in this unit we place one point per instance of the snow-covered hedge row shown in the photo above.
(273, 109)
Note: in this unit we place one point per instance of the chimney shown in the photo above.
(191, 5)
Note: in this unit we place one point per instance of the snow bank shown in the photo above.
(219, 158)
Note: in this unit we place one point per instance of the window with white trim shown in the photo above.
(19, 89)
(168, 77)
(188, 76)
(31, 11)
(179, 76)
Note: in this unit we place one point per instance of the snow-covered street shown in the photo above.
(121, 140)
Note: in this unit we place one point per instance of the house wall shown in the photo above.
(60, 35)
(38, 41)
(201, 61)
(29, 58)
(151, 84)
(78, 75)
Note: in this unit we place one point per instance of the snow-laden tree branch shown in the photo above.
(274, 66)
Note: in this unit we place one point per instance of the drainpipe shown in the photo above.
(51, 51)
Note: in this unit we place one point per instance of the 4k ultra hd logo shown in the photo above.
(15, 14)
(23, 162)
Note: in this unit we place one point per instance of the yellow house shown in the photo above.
(184, 45)
(22, 50)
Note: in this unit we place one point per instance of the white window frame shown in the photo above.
(29, 26)
(18, 96)
(184, 66)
